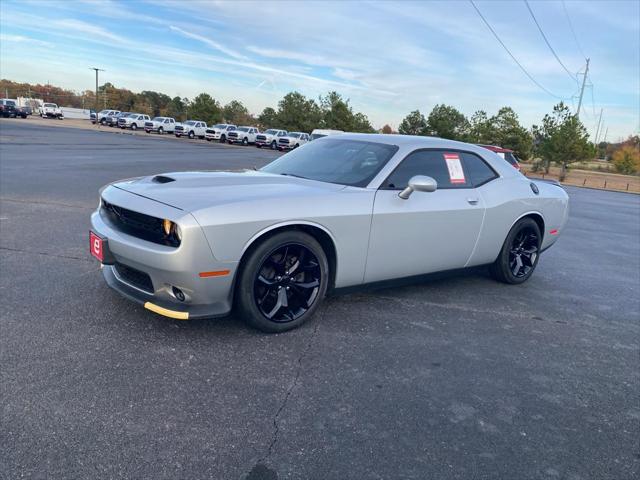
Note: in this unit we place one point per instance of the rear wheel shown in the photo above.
(103, 122)
(520, 253)
(282, 282)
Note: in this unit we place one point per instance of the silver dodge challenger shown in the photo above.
(340, 211)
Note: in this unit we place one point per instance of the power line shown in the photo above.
(575, 37)
(524, 70)
(546, 40)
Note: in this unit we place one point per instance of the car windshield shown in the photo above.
(243, 129)
(295, 135)
(158, 119)
(50, 105)
(190, 122)
(271, 132)
(220, 125)
(346, 162)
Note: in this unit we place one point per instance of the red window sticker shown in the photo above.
(456, 173)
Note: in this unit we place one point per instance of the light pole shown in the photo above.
(96, 105)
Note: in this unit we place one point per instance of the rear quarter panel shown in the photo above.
(509, 199)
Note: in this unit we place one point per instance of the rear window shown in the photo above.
(477, 170)
(511, 158)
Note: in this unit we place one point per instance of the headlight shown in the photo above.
(171, 229)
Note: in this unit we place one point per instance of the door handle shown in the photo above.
(472, 201)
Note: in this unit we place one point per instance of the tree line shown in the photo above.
(294, 111)
(560, 138)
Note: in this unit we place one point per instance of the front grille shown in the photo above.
(179, 128)
(208, 130)
(137, 224)
(233, 134)
(148, 124)
(134, 277)
(261, 137)
(283, 140)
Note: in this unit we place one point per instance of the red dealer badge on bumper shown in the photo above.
(96, 246)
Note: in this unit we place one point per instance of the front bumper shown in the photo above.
(212, 136)
(167, 267)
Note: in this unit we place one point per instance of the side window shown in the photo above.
(477, 170)
(445, 167)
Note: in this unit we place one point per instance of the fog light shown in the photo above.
(178, 294)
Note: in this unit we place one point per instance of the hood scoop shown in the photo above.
(162, 179)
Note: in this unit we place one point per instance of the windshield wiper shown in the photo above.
(294, 175)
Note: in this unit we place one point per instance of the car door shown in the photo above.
(429, 231)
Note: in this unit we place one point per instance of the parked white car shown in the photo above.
(243, 135)
(319, 133)
(51, 110)
(292, 140)
(133, 121)
(191, 128)
(102, 116)
(219, 132)
(270, 138)
(160, 125)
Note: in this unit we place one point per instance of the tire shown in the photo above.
(191, 135)
(520, 253)
(258, 145)
(257, 299)
(103, 122)
(223, 139)
(208, 139)
(178, 135)
(245, 141)
(273, 145)
(134, 127)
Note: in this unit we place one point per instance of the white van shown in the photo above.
(319, 133)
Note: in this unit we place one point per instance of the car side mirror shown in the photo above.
(419, 183)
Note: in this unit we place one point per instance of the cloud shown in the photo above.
(86, 28)
(209, 42)
(23, 39)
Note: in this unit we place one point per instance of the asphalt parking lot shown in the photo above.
(455, 378)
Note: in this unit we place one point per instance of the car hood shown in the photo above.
(192, 191)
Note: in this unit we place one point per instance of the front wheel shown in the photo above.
(134, 127)
(273, 145)
(223, 139)
(282, 282)
(245, 142)
(160, 130)
(192, 135)
(520, 253)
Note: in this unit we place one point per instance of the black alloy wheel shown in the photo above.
(520, 253)
(282, 282)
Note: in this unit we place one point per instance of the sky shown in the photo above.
(388, 58)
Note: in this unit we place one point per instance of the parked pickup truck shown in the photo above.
(219, 132)
(133, 121)
(113, 121)
(51, 110)
(102, 115)
(9, 108)
(269, 138)
(292, 140)
(243, 135)
(191, 128)
(160, 125)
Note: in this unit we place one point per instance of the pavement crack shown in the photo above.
(292, 386)
(52, 255)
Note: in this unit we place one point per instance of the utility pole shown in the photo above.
(96, 107)
(598, 129)
(584, 80)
